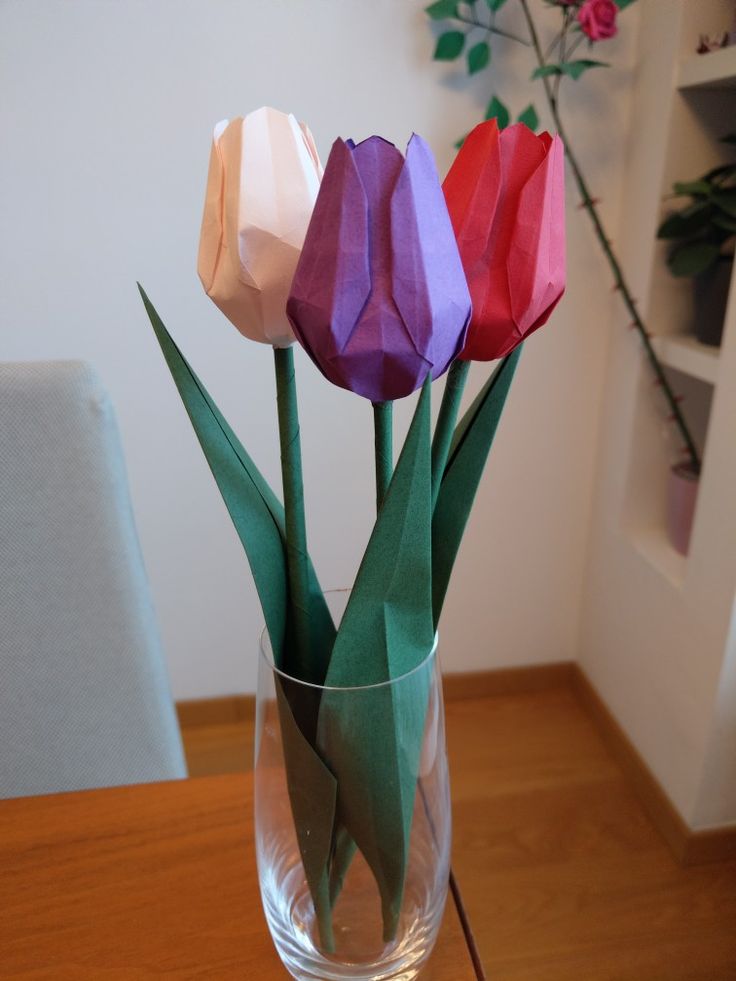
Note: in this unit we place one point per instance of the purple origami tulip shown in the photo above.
(379, 298)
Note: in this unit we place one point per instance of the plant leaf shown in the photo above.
(498, 111)
(683, 223)
(530, 118)
(574, 69)
(726, 201)
(468, 454)
(449, 46)
(726, 222)
(545, 70)
(693, 258)
(691, 188)
(441, 9)
(478, 57)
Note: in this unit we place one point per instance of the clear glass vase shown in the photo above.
(337, 922)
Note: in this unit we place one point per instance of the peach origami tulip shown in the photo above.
(263, 181)
(506, 197)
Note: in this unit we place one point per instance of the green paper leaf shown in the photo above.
(529, 118)
(259, 521)
(372, 739)
(313, 797)
(468, 454)
(693, 258)
(478, 57)
(498, 111)
(449, 46)
(442, 9)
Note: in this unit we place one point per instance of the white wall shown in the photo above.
(106, 114)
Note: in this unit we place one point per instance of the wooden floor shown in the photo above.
(563, 876)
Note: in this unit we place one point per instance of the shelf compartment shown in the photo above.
(653, 545)
(715, 70)
(686, 354)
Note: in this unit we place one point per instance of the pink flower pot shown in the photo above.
(682, 493)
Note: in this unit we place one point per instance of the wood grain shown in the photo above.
(563, 874)
(147, 882)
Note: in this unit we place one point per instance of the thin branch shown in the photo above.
(619, 280)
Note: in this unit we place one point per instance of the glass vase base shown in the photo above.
(358, 955)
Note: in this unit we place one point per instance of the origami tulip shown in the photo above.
(506, 197)
(262, 184)
(379, 297)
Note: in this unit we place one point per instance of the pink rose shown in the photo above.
(598, 19)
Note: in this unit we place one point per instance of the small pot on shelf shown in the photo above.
(710, 290)
(682, 494)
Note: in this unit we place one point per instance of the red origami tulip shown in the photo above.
(506, 197)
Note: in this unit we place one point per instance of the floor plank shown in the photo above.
(563, 876)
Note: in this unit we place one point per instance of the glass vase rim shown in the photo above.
(266, 652)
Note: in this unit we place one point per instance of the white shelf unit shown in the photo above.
(715, 70)
(686, 354)
(658, 634)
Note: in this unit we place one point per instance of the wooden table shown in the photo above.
(144, 882)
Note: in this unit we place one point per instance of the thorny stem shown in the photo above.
(618, 276)
(491, 28)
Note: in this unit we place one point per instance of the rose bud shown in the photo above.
(262, 184)
(597, 19)
(506, 197)
(379, 298)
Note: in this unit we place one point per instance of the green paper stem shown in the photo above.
(296, 531)
(457, 376)
(383, 437)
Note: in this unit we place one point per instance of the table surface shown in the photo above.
(151, 881)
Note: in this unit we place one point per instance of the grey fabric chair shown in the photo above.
(84, 696)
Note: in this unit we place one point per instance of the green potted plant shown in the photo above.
(702, 236)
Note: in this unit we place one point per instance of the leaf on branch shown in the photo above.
(478, 57)
(498, 111)
(574, 69)
(530, 118)
(441, 9)
(449, 46)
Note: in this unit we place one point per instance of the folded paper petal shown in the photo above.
(379, 298)
(263, 180)
(505, 195)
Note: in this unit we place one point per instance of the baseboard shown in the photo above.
(222, 710)
(689, 847)
(507, 681)
(229, 709)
